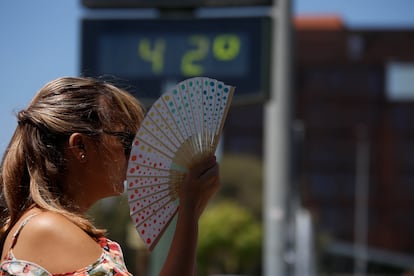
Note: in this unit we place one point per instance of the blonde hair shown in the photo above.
(34, 164)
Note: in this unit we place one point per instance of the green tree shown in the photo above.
(229, 241)
(242, 180)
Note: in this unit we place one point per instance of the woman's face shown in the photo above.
(112, 165)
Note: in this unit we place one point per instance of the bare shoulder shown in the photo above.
(57, 244)
(49, 229)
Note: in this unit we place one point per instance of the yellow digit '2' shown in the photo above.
(188, 65)
(154, 55)
(226, 47)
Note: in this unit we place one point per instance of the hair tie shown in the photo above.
(22, 118)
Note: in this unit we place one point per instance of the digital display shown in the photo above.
(188, 55)
(152, 54)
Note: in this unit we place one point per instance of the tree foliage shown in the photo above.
(229, 241)
(242, 181)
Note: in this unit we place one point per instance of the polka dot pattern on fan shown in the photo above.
(181, 127)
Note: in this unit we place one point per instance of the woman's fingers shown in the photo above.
(201, 167)
(207, 172)
(200, 184)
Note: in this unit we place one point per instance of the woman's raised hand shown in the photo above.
(200, 184)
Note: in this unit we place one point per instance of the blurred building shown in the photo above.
(355, 96)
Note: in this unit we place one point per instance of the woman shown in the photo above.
(70, 149)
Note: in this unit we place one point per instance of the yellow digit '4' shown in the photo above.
(154, 54)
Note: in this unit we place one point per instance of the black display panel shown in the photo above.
(153, 54)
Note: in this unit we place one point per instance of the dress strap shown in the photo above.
(17, 233)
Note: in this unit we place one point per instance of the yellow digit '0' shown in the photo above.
(188, 66)
(226, 47)
(154, 55)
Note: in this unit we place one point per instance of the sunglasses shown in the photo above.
(125, 138)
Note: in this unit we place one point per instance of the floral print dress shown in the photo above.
(111, 262)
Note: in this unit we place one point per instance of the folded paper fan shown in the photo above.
(182, 127)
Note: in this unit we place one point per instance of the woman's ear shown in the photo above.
(77, 147)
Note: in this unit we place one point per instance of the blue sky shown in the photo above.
(40, 41)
